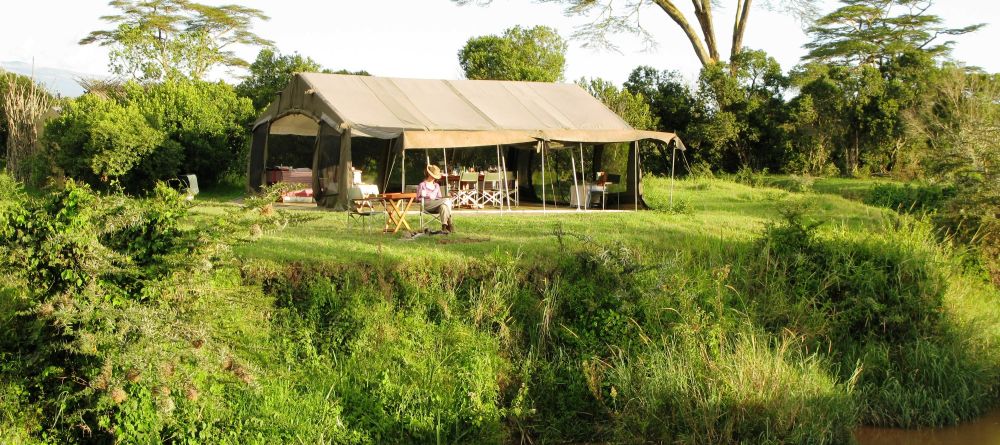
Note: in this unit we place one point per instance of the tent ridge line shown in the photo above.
(472, 105)
(378, 97)
(319, 92)
(562, 117)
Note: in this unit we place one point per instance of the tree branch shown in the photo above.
(678, 17)
(703, 12)
(740, 26)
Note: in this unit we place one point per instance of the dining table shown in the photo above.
(396, 206)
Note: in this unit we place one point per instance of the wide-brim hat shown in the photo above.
(433, 171)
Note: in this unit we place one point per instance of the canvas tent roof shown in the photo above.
(448, 113)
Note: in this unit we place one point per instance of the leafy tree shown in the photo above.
(272, 71)
(534, 54)
(634, 109)
(160, 39)
(613, 18)
(152, 133)
(959, 125)
(879, 52)
(738, 116)
(670, 99)
(207, 119)
(98, 140)
(871, 33)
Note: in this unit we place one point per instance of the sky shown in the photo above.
(421, 38)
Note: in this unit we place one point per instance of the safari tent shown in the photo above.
(327, 120)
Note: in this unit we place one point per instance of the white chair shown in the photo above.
(492, 193)
(467, 194)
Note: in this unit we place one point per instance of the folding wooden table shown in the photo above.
(396, 206)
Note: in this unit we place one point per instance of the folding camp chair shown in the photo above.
(365, 204)
(492, 193)
(431, 217)
(467, 194)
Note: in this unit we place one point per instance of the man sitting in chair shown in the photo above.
(430, 193)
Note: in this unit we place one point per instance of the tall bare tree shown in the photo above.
(608, 17)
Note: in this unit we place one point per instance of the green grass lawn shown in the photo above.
(714, 210)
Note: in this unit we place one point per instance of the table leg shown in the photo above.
(402, 217)
(392, 212)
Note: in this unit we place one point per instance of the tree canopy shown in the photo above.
(159, 39)
(873, 32)
(532, 54)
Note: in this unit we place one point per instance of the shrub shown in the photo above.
(751, 391)
(120, 310)
(701, 170)
(746, 175)
(910, 198)
(97, 140)
(845, 289)
(208, 121)
(793, 183)
(151, 133)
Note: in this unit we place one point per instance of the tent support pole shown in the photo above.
(447, 186)
(673, 162)
(498, 171)
(402, 170)
(392, 166)
(637, 176)
(506, 187)
(576, 187)
(584, 176)
(542, 149)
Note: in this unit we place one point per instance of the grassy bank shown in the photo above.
(726, 317)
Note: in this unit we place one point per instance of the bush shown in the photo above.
(152, 133)
(910, 198)
(876, 306)
(752, 391)
(746, 175)
(208, 121)
(121, 326)
(842, 289)
(793, 183)
(98, 140)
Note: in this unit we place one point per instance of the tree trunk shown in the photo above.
(703, 12)
(739, 26)
(678, 17)
(739, 29)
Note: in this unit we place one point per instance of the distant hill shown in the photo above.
(59, 81)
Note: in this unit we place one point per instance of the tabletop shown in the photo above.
(397, 196)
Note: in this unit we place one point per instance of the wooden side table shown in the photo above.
(396, 206)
